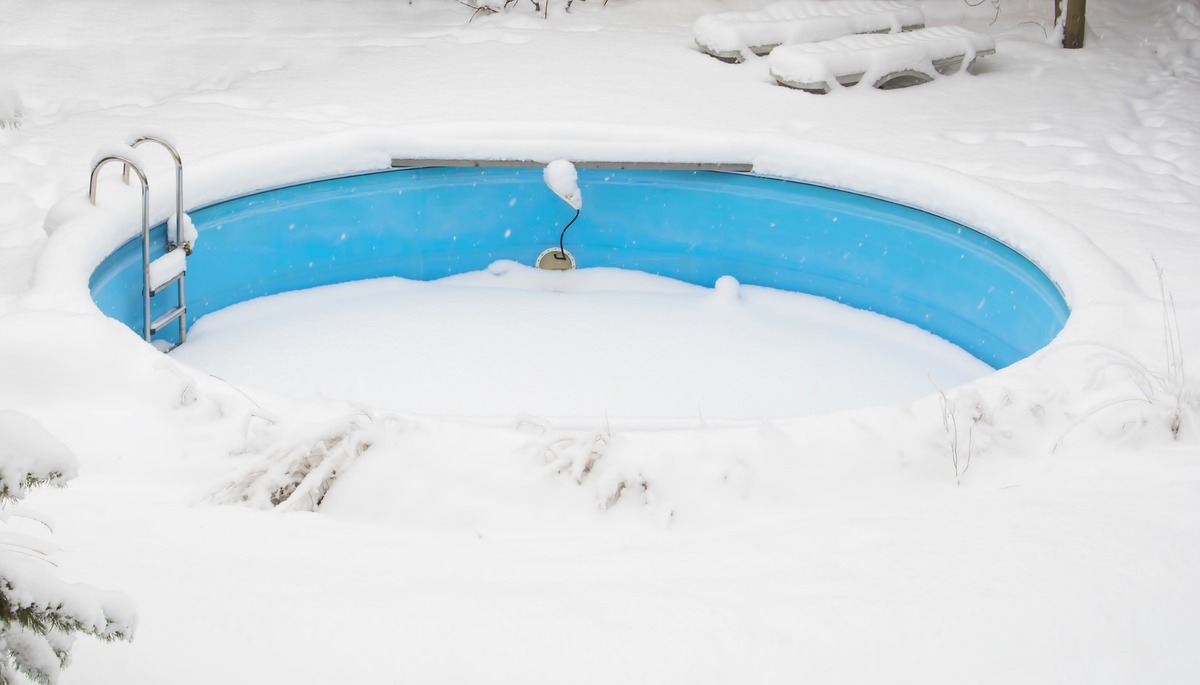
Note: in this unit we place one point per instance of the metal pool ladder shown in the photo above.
(171, 267)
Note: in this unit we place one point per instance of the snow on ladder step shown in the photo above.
(728, 36)
(883, 60)
(166, 270)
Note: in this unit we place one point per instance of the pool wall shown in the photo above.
(425, 223)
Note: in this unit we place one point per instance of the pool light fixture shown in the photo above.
(562, 178)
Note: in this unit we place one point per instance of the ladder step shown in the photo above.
(162, 286)
(162, 321)
(167, 269)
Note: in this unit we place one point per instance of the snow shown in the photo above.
(841, 546)
(563, 179)
(874, 57)
(731, 34)
(29, 453)
(10, 107)
(119, 153)
(146, 132)
(166, 267)
(38, 644)
(518, 341)
(103, 614)
(190, 234)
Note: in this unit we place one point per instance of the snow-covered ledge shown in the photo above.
(89, 234)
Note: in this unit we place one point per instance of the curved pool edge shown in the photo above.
(1014, 221)
(692, 223)
(82, 236)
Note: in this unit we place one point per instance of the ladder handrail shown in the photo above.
(178, 183)
(129, 163)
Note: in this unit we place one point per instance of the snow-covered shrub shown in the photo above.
(29, 456)
(40, 614)
(1132, 395)
(10, 107)
(292, 467)
(492, 6)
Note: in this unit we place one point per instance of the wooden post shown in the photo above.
(1073, 24)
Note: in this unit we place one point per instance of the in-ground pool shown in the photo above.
(426, 222)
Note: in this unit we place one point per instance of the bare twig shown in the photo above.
(960, 460)
(1038, 24)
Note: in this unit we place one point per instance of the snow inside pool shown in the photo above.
(513, 340)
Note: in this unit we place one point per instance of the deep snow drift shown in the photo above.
(518, 341)
(853, 547)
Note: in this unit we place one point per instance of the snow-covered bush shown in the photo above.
(40, 614)
(491, 6)
(292, 467)
(10, 107)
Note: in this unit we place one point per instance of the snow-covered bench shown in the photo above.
(728, 36)
(883, 60)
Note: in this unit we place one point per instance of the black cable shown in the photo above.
(562, 253)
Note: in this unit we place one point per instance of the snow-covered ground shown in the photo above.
(841, 547)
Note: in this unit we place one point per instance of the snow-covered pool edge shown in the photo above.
(997, 406)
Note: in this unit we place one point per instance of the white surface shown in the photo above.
(517, 341)
(189, 230)
(563, 179)
(10, 106)
(31, 457)
(28, 451)
(794, 21)
(876, 56)
(833, 548)
(166, 267)
(122, 152)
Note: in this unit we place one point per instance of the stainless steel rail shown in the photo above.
(178, 183)
(179, 312)
(130, 164)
